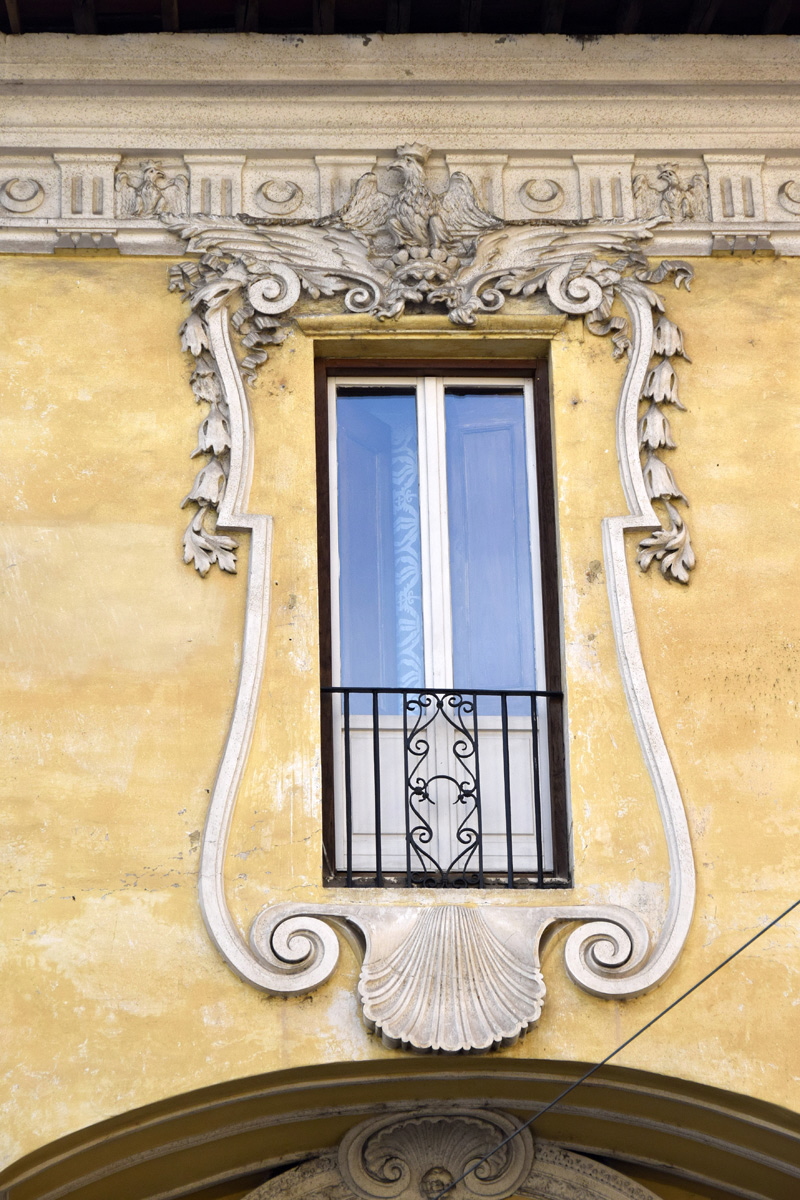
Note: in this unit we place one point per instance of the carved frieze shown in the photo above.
(279, 197)
(21, 195)
(384, 250)
(693, 200)
(789, 196)
(541, 195)
(151, 192)
(671, 194)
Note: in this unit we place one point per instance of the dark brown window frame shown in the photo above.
(537, 370)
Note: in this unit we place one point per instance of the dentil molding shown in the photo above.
(452, 977)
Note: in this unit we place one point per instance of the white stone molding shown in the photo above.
(416, 1155)
(486, 172)
(735, 187)
(696, 200)
(215, 183)
(150, 190)
(87, 185)
(605, 186)
(446, 978)
(337, 174)
(527, 94)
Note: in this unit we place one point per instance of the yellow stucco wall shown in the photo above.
(120, 676)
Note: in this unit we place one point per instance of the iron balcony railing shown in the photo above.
(442, 788)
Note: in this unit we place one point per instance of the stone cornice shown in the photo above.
(477, 92)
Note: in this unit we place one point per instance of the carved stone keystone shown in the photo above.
(416, 1155)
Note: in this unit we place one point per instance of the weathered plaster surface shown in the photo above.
(121, 669)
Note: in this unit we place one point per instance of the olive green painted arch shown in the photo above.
(222, 1141)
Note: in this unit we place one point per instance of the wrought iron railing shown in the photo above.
(442, 788)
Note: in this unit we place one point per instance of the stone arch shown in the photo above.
(226, 1141)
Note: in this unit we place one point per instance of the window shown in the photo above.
(442, 714)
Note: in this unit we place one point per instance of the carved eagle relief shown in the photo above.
(415, 215)
(385, 250)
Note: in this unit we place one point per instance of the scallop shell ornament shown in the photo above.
(451, 986)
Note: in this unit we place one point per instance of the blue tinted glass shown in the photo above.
(380, 582)
(490, 550)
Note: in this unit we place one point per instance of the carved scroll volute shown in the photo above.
(416, 1157)
(380, 251)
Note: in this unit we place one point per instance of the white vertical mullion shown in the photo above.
(336, 652)
(538, 623)
(436, 611)
(533, 529)
(436, 602)
(333, 500)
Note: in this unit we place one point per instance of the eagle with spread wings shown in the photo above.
(415, 215)
(387, 249)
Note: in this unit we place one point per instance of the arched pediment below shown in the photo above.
(260, 1136)
(554, 1174)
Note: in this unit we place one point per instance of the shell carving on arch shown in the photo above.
(421, 1155)
(415, 1156)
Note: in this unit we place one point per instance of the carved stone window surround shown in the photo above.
(383, 250)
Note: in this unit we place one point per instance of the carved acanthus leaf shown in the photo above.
(416, 245)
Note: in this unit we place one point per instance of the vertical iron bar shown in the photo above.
(376, 767)
(348, 795)
(478, 788)
(507, 786)
(537, 795)
(407, 790)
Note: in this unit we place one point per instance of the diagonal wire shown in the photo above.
(527, 1124)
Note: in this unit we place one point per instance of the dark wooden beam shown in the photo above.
(12, 12)
(553, 15)
(398, 16)
(323, 16)
(629, 14)
(701, 16)
(170, 18)
(246, 16)
(84, 17)
(776, 16)
(469, 16)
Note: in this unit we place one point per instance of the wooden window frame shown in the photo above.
(537, 371)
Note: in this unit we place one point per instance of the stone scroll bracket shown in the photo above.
(379, 251)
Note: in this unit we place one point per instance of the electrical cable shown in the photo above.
(527, 1124)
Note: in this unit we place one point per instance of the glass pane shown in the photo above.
(490, 544)
(380, 587)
